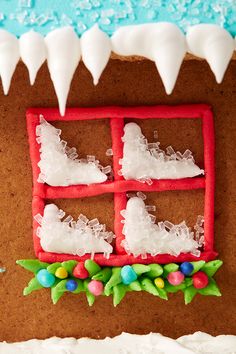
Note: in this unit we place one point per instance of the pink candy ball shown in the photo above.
(175, 278)
(95, 287)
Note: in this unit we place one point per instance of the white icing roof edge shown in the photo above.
(198, 342)
(161, 42)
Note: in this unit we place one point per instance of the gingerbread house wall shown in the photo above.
(122, 83)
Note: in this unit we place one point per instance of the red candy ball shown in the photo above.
(200, 280)
(175, 278)
(80, 271)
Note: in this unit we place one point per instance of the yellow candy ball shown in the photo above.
(159, 282)
(61, 273)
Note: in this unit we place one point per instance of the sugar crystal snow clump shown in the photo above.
(70, 236)
(143, 236)
(144, 161)
(2, 269)
(59, 165)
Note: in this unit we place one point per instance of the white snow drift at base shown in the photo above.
(143, 161)
(58, 163)
(143, 236)
(72, 237)
(197, 343)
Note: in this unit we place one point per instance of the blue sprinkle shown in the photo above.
(19, 16)
(45, 278)
(186, 268)
(128, 275)
(71, 285)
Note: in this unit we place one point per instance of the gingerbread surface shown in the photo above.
(123, 83)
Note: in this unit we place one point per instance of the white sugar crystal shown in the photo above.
(82, 218)
(170, 150)
(168, 225)
(143, 236)
(94, 222)
(25, 3)
(109, 152)
(155, 134)
(179, 156)
(2, 269)
(130, 195)
(61, 214)
(91, 158)
(38, 231)
(38, 218)
(123, 213)
(148, 181)
(58, 163)
(68, 219)
(200, 220)
(152, 218)
(141, 195)
(152, 146)
(187, 154)
(73, 224)
(106, 169)
(145, 161)
(71, 237)
(199, 230)
(150, 207)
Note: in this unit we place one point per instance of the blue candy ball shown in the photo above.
(128, 275)
(71, 285)
(45, 278)
(186, 268)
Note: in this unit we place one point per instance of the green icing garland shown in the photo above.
(112, 281)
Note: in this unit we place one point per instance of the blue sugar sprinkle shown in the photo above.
(19, 16)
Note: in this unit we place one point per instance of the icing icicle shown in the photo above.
(63, 57)
(33, 52)
(96, 51)
(212, 43)
(9, 57)
(162, 42)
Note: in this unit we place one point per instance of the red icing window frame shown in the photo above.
(116, 115)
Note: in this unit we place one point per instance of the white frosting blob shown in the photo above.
(96, 51)
(139, 163)
(63, 48)
(198, 343)
(161, 42)
(205, 343)
(9, 57)
(58, 164)
(212, 43)
(61, 237)
(143, 236)
(33, 52)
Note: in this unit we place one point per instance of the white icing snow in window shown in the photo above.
(59, 165)
(70, 236)
(143, 236)
(144, 161)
